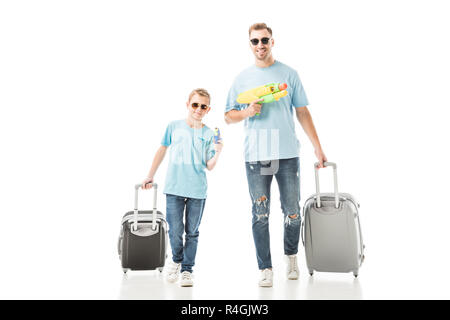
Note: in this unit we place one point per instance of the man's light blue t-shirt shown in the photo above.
(189, 150)
(270, 135)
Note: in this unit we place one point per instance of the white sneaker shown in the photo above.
(266, 278)
(292, 267)
(172, 271)
(186, 279)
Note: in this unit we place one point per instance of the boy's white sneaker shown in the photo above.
(292, 267)
(186, 279)
(172, 271)
(266, 278)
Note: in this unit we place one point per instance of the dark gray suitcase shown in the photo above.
(331, 230)
(142, 243)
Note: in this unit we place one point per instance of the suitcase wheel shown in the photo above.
(160, 270)
(311, 272)
(125, 270)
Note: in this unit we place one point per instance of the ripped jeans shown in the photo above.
(259, 177)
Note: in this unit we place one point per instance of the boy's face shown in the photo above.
(198, 107)
(261, 50)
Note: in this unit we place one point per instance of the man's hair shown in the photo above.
(201, 92)
(259, 26)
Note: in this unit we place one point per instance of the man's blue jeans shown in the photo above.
(259, 177)
(175, 206)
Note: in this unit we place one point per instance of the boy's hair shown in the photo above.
(259, 26)
(201, 92)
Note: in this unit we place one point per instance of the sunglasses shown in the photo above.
(195, 105)
(256, 41)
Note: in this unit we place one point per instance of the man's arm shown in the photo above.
(305, 120)
(234, 116)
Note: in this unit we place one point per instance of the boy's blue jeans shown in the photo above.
(175, 206)
(259, 177)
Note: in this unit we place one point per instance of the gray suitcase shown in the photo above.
(143, 241)
(331, 231)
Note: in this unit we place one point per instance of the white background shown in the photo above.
(88, 87)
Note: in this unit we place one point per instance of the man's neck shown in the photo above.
(265, 63)
(195, 124)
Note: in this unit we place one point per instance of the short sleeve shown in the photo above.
(167, 138)
(231, 103)
(299, 98)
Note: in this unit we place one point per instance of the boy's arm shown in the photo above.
(211, 163)
(305, 119)
(159, 157)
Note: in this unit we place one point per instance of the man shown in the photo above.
(272, 148)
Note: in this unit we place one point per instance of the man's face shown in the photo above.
(260, 50)
(198, 107)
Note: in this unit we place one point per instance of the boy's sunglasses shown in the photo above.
(256, 41)
(195, 105)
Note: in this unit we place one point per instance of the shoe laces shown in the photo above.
(293, 263)
(267, 274)
(174, 267)
(186, 275)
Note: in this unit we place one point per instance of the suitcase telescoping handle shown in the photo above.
(336, 193)
(155, 194)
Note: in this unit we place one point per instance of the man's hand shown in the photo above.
(147, 183)
(321, 157)
(254, 108)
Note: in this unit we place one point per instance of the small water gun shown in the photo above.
(270, 92)
(217, 135)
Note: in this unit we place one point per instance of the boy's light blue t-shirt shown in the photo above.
(270, 135)
(189, 150)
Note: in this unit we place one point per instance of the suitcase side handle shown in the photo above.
(155, 194)
(336, 192)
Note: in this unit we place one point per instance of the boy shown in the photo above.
(192, 150)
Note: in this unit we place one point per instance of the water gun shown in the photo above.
(270, 92)
(217, 135)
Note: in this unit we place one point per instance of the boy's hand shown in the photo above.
(218, 146)
(254, 108)
(147, 183)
